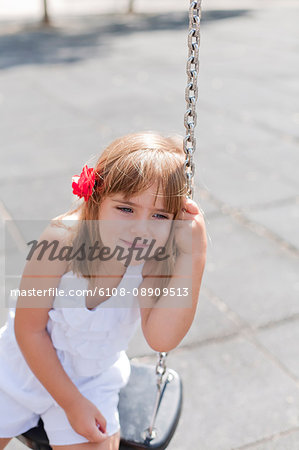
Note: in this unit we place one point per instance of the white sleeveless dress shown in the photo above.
(90, 345)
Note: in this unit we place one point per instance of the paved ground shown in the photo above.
(66, 91)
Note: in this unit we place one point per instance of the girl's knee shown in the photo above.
(111, 443)
(4, 442)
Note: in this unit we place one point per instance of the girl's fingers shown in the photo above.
(101, 422)
(101, 425)
(190, 207)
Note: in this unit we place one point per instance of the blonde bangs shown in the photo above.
(132, 164)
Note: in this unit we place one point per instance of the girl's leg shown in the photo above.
(4, 442)
(111, 443)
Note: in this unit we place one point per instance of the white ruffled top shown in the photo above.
(90, 341)
(87, 342)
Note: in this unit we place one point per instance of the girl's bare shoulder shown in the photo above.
(64, 224)
(58, 234)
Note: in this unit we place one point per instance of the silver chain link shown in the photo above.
(191, 92)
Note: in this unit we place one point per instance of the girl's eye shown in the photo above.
(125, 210)
(161, 216)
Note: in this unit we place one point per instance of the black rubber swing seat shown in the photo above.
(136, 405)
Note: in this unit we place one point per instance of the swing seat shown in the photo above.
(136, 405)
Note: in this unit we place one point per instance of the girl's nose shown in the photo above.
(140, 228)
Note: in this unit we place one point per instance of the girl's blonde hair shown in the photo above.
(131, 165)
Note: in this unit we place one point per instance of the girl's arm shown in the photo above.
(166, 323)
(31, 320)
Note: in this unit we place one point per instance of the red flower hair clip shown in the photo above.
(83, 185)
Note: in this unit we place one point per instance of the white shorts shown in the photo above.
(56, 424)
(16, 418)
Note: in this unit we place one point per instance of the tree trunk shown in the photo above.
(131, 6)
(45, 20)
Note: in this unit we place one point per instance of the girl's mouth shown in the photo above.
(136, 245)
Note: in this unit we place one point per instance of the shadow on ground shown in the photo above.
(81, 38)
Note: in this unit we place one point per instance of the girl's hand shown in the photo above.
(190, 237)
(86, 419)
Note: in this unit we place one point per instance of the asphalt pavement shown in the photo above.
(67, 90)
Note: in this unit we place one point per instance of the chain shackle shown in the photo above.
(161, 368)
(160, 372)
(191, 91)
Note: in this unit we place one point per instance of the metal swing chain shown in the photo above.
(190, 120)
(191, 92)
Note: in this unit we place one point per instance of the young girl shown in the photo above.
(62, 358)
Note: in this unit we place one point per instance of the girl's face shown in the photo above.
(121, 222)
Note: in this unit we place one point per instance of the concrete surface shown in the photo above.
(66, 91)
